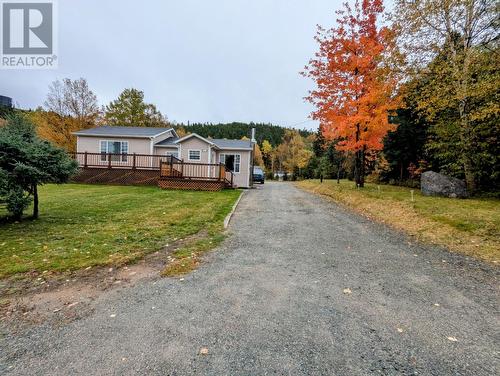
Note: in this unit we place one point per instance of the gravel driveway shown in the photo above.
(302, 287)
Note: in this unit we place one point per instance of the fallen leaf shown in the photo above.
(203, 351)
(452, 339)
(347, 291)
(400, 330)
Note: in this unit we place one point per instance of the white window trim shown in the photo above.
(189, 155)
(120, 161)
(235, 154)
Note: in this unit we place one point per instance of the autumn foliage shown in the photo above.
(354, 85)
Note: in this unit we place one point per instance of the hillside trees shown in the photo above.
(354, 89)
(236, 130)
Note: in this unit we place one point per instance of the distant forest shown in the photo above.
(272, 133)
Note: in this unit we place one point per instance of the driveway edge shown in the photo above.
(228, 217)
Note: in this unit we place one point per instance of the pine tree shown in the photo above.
(26, 161)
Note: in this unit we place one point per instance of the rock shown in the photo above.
(435, 184)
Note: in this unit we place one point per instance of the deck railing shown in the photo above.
(176, 168)
(125, 161)
(168, 166)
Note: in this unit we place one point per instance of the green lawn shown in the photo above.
(87, 225)
(470, 226)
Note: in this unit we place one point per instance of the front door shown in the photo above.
(229, 162)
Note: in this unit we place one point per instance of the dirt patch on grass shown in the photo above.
(187, 258)
(57, 298)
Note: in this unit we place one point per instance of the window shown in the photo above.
(114, 147)
(194, 155)
(232, 161)
(173, 153)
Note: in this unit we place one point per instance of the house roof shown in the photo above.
(115, 131)
(223, 143)
(168, 142)
(219, 143)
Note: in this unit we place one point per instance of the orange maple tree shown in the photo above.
(355, 86)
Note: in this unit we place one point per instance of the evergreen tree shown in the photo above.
(26, 161)
(404, 147)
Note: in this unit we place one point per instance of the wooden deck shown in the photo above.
(167, 172)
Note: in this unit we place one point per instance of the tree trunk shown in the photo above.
(469, 172)
(359, 169)
(362, 168)
(35, 202)
(467, 149)
(359, 173)
(338, 172)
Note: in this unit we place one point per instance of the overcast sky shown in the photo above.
(196, 60)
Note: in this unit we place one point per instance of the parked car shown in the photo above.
(258, 175)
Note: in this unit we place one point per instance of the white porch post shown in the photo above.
(209, 160)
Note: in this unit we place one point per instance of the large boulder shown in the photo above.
(434, 184)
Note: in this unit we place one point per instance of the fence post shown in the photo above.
(109, 160)
(171, 165)
(182, 167)
(85, 160)
(133, 162)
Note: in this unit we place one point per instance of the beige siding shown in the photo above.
(194, 143)
(163, 150)
(91, 144)
(241, 179)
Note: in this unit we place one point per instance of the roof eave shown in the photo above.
(165, 146)
(229, 148)
(110, 135)
(79, 133)
(195, 135)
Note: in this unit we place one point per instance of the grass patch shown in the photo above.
(88, 225)
(470, 226)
